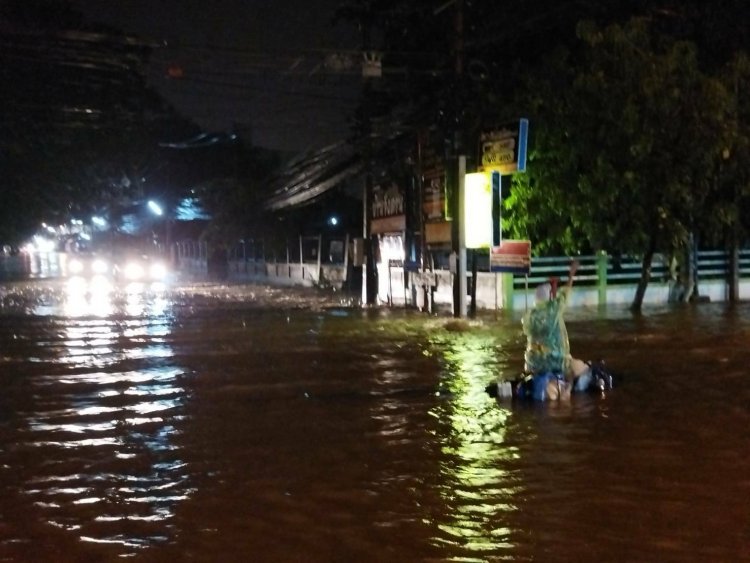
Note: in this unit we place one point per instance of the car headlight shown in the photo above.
(99, 266)
(75, 266)
(157, 271)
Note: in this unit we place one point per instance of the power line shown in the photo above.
(260, 91)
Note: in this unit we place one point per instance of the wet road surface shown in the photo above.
(208, 423)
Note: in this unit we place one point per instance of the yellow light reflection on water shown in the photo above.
(479, 483)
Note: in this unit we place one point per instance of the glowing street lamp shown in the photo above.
(155, 208)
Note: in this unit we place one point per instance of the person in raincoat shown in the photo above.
(547, 357)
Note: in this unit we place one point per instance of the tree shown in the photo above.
(627, 136)
(731, 208)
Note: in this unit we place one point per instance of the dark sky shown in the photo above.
(255, 66)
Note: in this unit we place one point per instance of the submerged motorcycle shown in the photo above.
(552, 386)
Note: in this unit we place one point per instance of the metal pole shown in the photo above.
(346, 259)
(320, 251)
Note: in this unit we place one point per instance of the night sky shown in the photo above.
(253, 66)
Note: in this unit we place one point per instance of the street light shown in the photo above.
(155, 207)
(157, 210)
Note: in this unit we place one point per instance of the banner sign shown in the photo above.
(504, 149)
(387, 209)
(434, 203)
(435, 216)
(512, 256)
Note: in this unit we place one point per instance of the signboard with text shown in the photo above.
(387, 209)
(512, 256)
(503, 149)
(433, 183)
(435, 216)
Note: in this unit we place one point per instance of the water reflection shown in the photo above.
(85, 297)
(106, 426)
(480, 482)
(297, 438)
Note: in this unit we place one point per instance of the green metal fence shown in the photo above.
(602, 268)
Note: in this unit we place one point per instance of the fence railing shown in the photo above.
(595, 269)
(600, 278)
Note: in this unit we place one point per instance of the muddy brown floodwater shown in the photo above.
(248, 424)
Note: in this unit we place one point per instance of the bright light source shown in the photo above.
(75, 266)
(155, 207)
(98, 221)
(100, 284)
(134, 271)
(333, 220)
(157, 271)
(478, 210)
(392, 248)
(43, 244)
(76, 285)
(99, 266)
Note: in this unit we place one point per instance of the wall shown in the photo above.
(601, 279)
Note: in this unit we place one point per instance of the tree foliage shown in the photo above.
(627, 139)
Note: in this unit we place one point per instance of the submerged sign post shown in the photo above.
(512, 256)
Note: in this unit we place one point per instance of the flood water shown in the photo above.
(250, 424)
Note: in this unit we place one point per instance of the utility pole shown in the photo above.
(369, 268)
(458, 172)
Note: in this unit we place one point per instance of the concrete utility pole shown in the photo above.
(459, 243)
(459, 172)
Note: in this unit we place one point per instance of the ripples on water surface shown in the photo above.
(259, 425)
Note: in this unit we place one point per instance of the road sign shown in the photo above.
(504, 149)
(512, 256)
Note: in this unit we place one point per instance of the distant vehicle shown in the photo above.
(119, 267)
(140, 268)
(87, 265)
